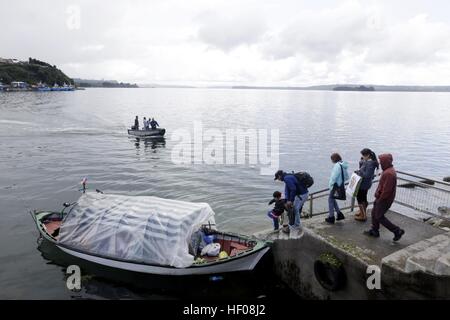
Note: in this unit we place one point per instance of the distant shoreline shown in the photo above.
(355, 88)
(422, 90)
(85, 83)
(337, 87)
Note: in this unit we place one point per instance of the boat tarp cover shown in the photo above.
(140, 229)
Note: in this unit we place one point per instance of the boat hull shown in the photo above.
(62, 89)
(147, 133)
(244, 263)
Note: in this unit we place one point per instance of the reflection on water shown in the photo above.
(152, 143)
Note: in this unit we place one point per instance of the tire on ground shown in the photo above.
(329, 272)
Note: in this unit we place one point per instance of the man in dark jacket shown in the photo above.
(384, 197)
(153, 124)
(295, 194)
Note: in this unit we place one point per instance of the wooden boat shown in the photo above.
(147, 133)
(142, 231)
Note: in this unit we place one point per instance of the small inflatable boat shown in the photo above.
(147, 133)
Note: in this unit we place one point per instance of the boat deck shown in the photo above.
(52, 226)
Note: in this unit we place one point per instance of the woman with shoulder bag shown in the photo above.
(338, 177)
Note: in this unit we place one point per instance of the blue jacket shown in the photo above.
(367, 172)
(292, 187)
(336, 174)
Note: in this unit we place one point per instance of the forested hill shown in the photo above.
(32, 72)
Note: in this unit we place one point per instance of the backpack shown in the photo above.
(304, 178)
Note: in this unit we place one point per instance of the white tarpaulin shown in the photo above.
(134, 228)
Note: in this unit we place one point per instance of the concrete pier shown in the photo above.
(416, 267)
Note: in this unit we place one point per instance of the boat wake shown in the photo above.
(14, 122)
(84, 131)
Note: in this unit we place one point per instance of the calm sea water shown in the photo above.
(50, 141)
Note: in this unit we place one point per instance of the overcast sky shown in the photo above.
(246, 42)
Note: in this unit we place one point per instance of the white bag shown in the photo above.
(353, 185)
(211, 250)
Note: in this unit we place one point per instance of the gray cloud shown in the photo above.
(417, 41)
(228, 31)
(324, 35)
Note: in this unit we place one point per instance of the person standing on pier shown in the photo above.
(366, 171)
(339, 175)
(295, 194)
(384, 197)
